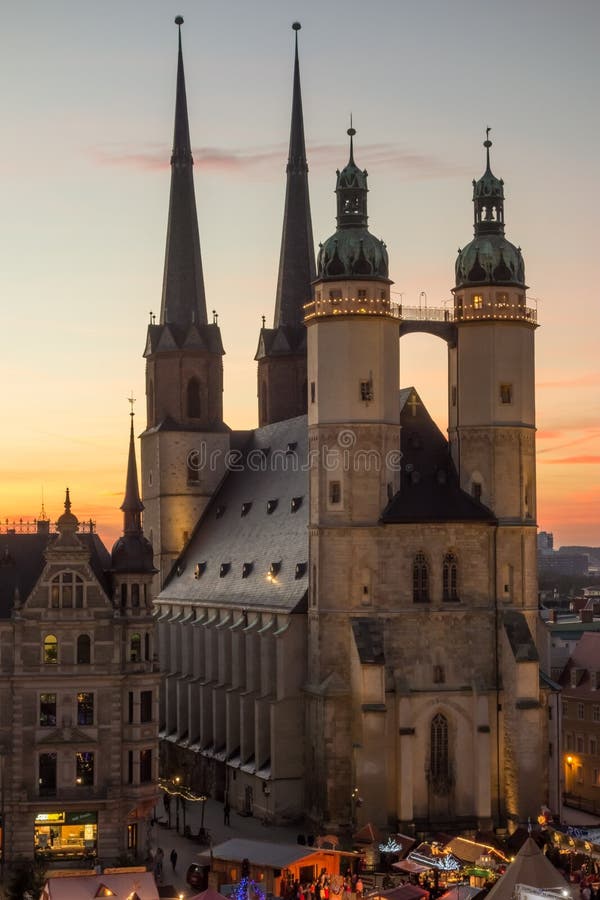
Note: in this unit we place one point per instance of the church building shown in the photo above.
(348, 608)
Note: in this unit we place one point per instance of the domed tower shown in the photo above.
(184, 371)
(492, 403)
(354, 439)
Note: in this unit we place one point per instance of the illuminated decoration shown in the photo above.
(248, 890)
(174, 789)
(445, 863)
(390, 846)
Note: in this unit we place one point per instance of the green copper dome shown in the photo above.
(489, 258)
(352, 252)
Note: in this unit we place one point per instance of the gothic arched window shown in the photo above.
(450, 577)
(84, 649)
(420, 579)
(193, 399)
(439, 765)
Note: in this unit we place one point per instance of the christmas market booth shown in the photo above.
(271, 867)
(530, 869)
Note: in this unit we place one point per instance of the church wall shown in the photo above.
(282, 389)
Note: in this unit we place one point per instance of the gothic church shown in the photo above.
(348, 608)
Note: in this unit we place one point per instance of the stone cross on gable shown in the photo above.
(413, 402)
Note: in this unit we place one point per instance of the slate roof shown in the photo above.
(22, 562)
(519, 636)
(272, 472)
(429, 490)
(586, 659)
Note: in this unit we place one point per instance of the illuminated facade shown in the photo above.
(352, 616)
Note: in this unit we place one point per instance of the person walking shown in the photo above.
(173, 858)
(226, 813)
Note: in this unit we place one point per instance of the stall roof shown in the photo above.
(470, 851)
(122, 884)
(530, 867)
(460, 892)
(264, 853)
(408, 865)
(404, 892)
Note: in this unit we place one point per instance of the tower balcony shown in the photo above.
(351, 306)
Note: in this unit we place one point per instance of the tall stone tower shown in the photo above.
(281, 350)
(492, 438)
(492, 388)
(354, 438)
(185, 441)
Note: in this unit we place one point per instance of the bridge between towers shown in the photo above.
(438, 321)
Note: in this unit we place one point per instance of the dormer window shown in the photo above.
(199, 570)
(246, 507)
(300, 570)
(247, 569)
(295, 504)
(224, 569)
(271, 506)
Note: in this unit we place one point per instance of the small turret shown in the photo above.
(132, 552)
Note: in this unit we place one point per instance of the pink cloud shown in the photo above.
(154, 157)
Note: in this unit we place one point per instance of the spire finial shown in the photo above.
(131, 401)
(351, 132)
(67, 501)
(487, 144)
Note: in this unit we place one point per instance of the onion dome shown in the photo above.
(489, 258)
(132, 552)
(352, 252)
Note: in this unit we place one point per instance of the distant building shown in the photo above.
(556, 562)
(580, 682)
(79, 689)
(545, 541)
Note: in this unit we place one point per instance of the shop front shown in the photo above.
(66, 835)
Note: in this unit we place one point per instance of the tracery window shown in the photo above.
(439, 758)
(420, 579)
(450, 578)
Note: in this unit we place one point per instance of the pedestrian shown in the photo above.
(173, 858)
(226, 813)
(158, 862)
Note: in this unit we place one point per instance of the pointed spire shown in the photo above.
(351, 132)
(297, 258)
(183, 297)
(351, 189)
(132, 505)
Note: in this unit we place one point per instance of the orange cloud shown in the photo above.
(573, 460)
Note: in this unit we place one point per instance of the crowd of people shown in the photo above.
(325, 887)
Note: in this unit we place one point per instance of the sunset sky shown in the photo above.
(87, 111)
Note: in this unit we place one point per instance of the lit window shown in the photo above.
(85, 708)
(477, 301)
(506, 392)
(47, 710)
(135, 648)
(50, 649)
(84, 768)
(335, 492)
